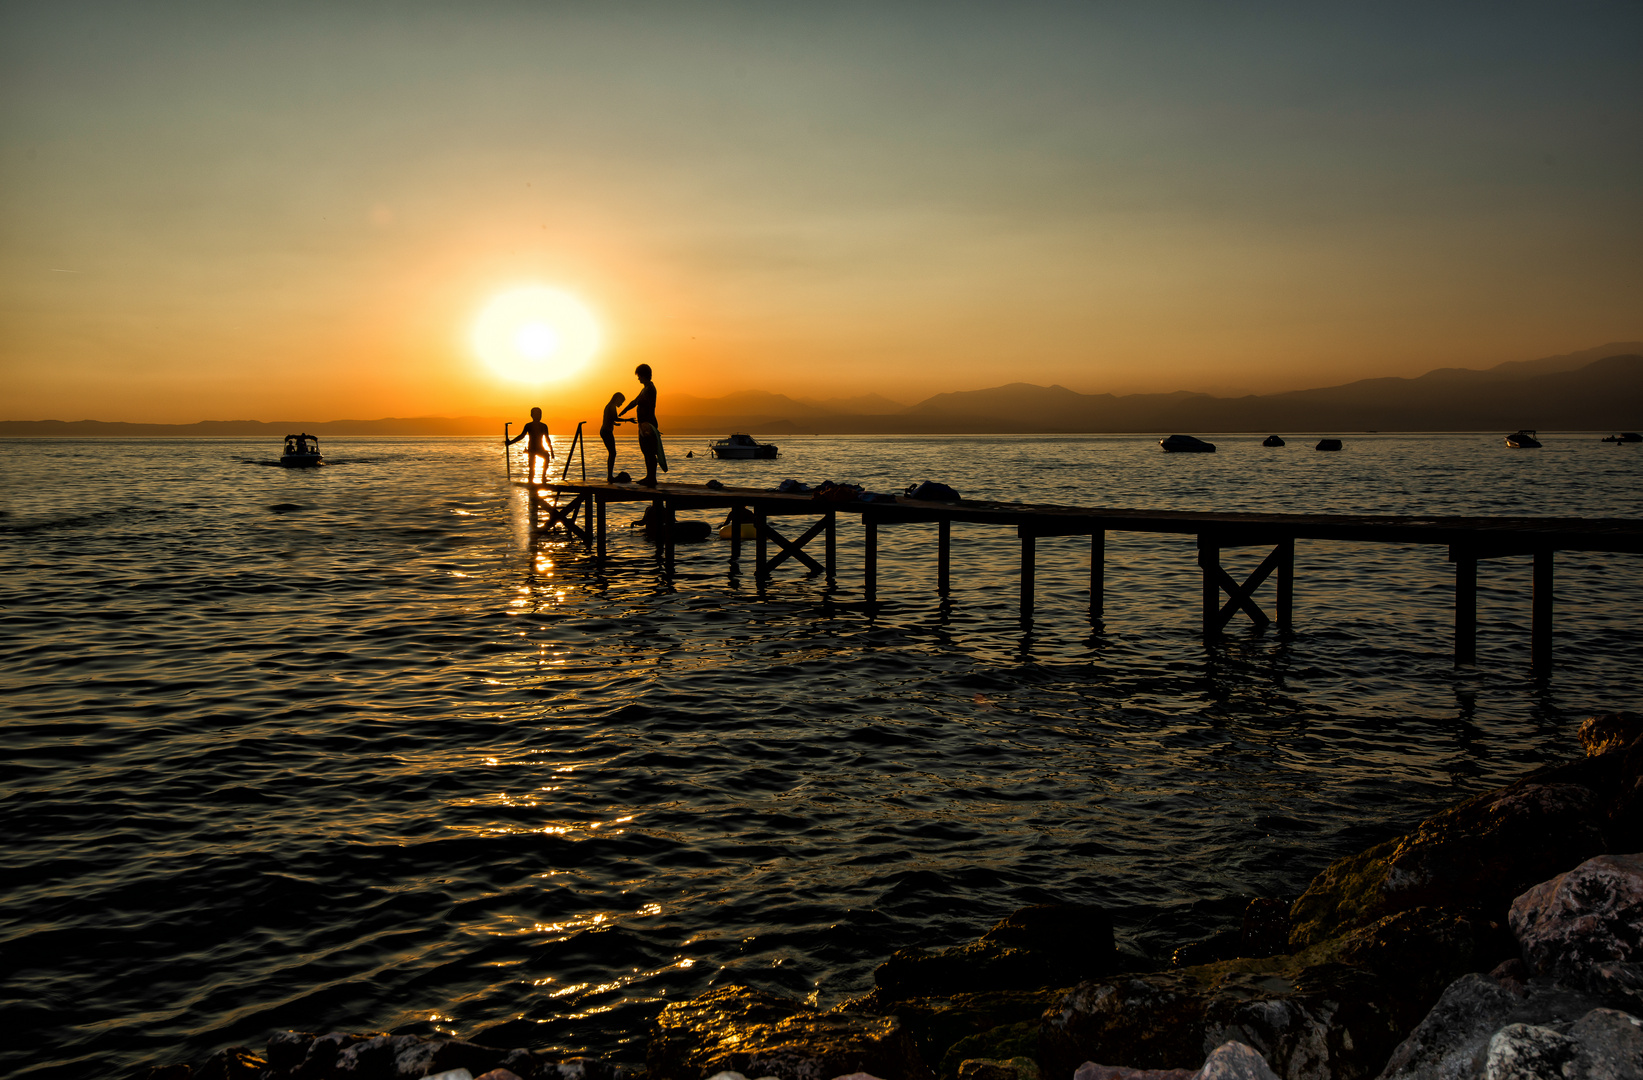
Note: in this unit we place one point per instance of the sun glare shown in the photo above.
(536, 334)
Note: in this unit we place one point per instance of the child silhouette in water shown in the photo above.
(540, 446)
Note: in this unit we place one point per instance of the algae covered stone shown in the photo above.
(1332, 1012)
(757, 1033)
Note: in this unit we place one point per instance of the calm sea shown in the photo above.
(347, 748)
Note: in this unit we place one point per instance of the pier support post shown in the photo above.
(871, 584)
(1466, 605)
(667, 533)
(944, 536)
(736, 515)
(1029, 552)
(761, 568)
(1242, 596)
(1286, 583)
(1209, 561)
(1098, 576)
(1540, 632)
(599, 527)
(832, 542)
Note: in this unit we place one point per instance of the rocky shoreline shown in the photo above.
(1500, 938)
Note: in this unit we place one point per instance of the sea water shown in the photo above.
(349, 748)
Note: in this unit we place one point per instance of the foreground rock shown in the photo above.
(1038, 946)
(304, 1055)
(1604, 1045)
(1567, 1009)
(980, 1002)
(1229, 1061)
(759, 1034)
(1585, 927)
(1488, 850)
(1331, 1012)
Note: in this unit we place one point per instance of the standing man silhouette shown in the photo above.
(650, 437)
(540, 446)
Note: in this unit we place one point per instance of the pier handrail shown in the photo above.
(579, 448)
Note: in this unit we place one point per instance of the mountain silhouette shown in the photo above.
(1592, 390)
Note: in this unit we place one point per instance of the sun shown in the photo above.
(536, 334)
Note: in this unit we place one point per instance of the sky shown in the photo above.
(300, 210)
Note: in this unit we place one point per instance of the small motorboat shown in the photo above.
(1328, 444)
(301, 451)
(1272, 440)
(742, 447)
(1624, 437)
(1523, 439)
(1186, 444)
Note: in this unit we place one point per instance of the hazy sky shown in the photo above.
(297, 210)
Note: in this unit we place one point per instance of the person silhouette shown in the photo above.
(540, 446)
(607, 433)
(650, 436)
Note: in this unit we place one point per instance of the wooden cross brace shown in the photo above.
(1217, 581)
(791, 548)
(566, 515)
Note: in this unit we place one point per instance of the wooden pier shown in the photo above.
(579, 508)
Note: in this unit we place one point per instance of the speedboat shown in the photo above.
(301, 451)
(1523, 439)
(1186, 444)
(741, 447)
(1272, 440)
(1624, 437)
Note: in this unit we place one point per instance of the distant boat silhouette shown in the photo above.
(1523, 439)
(1624, 437)
(741, 447)
(1272, 440)
(1186, 444)
(1328, 444)
(301, 451)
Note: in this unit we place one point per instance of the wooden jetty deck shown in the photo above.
(579, 508)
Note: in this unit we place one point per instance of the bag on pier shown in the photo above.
(930, 491)
(831, 492)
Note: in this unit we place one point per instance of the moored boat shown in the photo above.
(1186, 444)
(1328, 444)
(301, 451)
(1272, 440)
(741, 447)
(1624, 437)
(1523, 439)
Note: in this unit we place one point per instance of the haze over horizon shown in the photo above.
(233, 211)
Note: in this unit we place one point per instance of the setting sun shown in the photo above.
(536, 334)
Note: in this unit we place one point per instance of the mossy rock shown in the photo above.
(1478, 855)
(1334, 1010)
(937, 1024)
(1005, 1043)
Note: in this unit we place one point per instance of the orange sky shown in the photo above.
(216, 212)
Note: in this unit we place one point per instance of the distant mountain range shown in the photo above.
(1596, 389)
